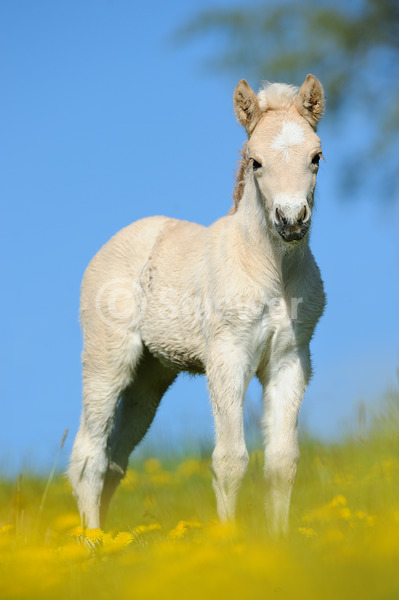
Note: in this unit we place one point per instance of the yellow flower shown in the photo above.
(94, 535)
(8, 528)
(345, 513)
(77, 531)
(111, 544)
(182, 528)
(152, 465)
(307, 532)
(140, 529)
(338, 501)
(335, 509)
(123, 538)
(361, 515)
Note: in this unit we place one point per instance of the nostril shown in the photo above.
(280, 219)
(303, 215)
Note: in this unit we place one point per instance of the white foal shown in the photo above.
(237, 299)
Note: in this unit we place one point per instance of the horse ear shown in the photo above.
(246, 106)
(310, 100)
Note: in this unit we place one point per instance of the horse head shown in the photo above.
(283, 150)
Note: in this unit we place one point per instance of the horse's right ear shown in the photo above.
(246, 106)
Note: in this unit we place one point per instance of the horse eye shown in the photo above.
(316, 159)
(255, 165)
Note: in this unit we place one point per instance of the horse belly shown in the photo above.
(172, 284)
(171, 327)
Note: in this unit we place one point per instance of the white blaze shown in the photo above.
(290, 135)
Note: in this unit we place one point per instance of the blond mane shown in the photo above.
(271, 96)
(241, 170)
(274, 96)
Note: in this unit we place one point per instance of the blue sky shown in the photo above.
(104, 122)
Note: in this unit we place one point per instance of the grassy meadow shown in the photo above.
(163, 540)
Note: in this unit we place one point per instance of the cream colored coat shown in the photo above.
(233, 300)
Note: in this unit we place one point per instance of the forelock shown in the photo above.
(273, 96)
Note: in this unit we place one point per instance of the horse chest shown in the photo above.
(275, 324)
(285, 322)
(251, 326)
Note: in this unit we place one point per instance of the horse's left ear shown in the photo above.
(310, 100)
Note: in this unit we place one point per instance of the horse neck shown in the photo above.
(259, 239)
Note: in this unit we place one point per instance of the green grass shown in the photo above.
(163, 540)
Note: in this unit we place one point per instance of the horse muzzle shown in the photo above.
(292, 227)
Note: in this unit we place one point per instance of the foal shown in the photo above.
(233, 300)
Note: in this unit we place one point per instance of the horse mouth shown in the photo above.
(292, 233)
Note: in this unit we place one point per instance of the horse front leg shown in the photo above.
(227, 386)
(284, 382)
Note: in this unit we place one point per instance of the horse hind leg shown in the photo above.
(89, 460)
(104, 380)
(135, 413)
